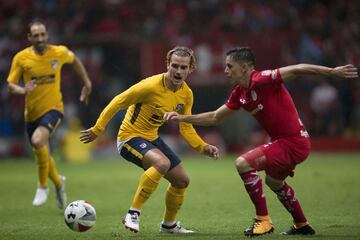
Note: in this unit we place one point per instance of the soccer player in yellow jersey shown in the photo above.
(40, 67)
(139, 142)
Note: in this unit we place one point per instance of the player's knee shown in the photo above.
(37, 141)
(162, 165)
(274, 184)
(242, 165)
(182, 182)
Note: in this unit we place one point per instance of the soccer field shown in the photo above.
(216, 205)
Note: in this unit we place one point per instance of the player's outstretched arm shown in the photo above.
(345, 71)
(87, 88)
(87, 136)
(201, 119)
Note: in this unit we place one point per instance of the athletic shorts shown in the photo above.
(135, 148)
(280, 157)
(51, 120)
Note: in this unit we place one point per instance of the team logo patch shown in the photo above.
(54, 64)
(253, 95)
(266, 73)
(179, 107)
(143, 145)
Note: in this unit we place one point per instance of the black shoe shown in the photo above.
(305, 230)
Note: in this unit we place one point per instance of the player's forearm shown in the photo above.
(81, 72)
(304, 69)
(106, 115)
(313, 69)
(16, 89)
(191, 137)
(202, 119)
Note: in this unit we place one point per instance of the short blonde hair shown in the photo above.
(182, 52)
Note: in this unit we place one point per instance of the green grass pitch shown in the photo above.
(216, 205)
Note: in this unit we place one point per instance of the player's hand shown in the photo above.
(85, 94)
(211, 151)
(30, 86)
(87, 136)
(171, 116)
(346, 71)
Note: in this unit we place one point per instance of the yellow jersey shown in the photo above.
(45, 70)
(146, 102)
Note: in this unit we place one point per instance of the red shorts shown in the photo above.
(279, 158)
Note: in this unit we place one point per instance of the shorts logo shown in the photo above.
(143, 145)
(54, 64)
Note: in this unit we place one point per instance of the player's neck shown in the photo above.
(39, 52)
(245, 83)
(172, 87)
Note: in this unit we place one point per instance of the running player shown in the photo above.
(139, 142)
(40, 68)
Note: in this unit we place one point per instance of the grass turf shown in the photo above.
(216, 205)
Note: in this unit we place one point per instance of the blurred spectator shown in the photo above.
(118, 39)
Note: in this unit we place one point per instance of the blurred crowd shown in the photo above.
(117, 41)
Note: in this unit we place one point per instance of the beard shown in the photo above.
(40, 47)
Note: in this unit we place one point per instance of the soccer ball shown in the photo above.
(80, 216)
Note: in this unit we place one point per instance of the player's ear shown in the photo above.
(245, 66)
(29, 37)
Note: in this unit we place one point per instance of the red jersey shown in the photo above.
(270, 103)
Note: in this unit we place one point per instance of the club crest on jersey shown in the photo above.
(266, 73)
(54, 64)
(143, 145)
(179, 107)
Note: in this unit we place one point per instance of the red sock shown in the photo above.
(287, 197)
(253, 186)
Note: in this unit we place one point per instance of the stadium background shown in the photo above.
(121, 42)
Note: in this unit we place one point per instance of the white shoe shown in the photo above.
(176, 228)
(132, 221)
(41, 196)
(61, 197)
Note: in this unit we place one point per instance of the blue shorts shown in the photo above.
(134, 150)
(51, 120)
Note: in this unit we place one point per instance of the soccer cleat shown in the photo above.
(305, 230)
(132, 221)
(61, 197)
(176, 228)
(41, 196)
(259, 227)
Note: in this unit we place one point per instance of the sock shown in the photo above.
(147, 185)
(253, 186)
(174, 199)
(287, 197)
(42, 160)
(53, 173)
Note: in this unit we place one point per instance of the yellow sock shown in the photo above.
(53, 173)
(174, 199)
(42, 160)
(147, 185)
